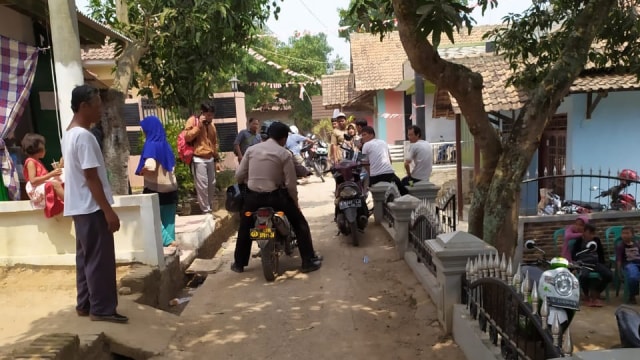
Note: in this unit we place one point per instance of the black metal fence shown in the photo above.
(389, 197)
(446, 212)
(427, 222)
(573, 187)
(421, 230)
(511, 312)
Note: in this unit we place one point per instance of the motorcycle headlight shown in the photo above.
(563, 284)
(348, 192)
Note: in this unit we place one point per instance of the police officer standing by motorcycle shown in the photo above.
(268, 171)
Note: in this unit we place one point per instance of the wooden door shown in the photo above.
(552, 154)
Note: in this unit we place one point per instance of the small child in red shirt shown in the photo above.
(45, 188)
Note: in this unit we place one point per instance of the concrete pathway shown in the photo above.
(349, 309)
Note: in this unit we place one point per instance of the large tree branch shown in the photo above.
(466, 86)
(126, 65)
(547, 96)
(122, 11)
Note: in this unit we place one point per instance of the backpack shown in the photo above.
(185, 149)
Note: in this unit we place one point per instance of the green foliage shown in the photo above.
(533, 42)
(192, 45)
(306, 54)
(182, 171)
(224, 179)
(435, 17)
(323, 129)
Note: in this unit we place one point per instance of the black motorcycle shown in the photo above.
(311, 160)
(275, 236)
(352, 213)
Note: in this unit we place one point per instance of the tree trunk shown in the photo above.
(115, 144)
(466, 86)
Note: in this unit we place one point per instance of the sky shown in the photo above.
(322, 16)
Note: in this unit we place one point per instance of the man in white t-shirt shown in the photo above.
(420, 156)
(88, 200)
(379, 160)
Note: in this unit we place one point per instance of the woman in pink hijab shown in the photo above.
(571, 232)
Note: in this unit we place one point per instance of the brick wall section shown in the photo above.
(542, 227)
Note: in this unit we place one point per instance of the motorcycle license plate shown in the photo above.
(262, 234)
(351, 203)
(563, 303)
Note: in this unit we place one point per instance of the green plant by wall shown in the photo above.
(182, 171)
(224, 179)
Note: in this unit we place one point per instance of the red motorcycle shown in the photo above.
(622, 201)
(352, 213)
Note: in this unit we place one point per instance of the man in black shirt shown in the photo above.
(595, 260)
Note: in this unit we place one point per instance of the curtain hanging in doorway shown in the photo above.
(17, 69)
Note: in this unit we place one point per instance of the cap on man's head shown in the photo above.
(294, 129)
(341, 115)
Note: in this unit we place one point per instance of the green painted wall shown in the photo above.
(45, 122)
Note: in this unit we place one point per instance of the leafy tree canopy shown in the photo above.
(547, 47)
(189, 46)
(303, 53)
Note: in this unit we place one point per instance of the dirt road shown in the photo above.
(348, 309)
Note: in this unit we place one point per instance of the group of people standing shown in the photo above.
(347, 141)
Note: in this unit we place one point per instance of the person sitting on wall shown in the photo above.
(420, 156)
(45, 188)
(595, 260)
(378, 160)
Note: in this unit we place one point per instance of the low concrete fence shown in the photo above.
(438, 258)
(28, 237)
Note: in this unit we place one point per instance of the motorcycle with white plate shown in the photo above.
(557, 285)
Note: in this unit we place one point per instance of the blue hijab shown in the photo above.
(155, 145)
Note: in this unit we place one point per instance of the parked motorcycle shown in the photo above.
(622, 201)
(556, 283)
(311, 160)
(628, 320)
(352, 213)
(321, 154)
(274, 236)
(551, 204)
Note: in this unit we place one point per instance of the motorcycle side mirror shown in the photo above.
(592, 246)
(530, 244)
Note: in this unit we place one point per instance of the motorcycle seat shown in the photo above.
(628, 326)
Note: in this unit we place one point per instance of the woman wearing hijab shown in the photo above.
(157, 163)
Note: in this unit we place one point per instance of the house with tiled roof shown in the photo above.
(382, 75)
(27, 24)
(589, 132)
(339, 94)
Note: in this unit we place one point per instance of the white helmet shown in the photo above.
(294, 129)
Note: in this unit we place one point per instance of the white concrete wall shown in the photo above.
(28, 237)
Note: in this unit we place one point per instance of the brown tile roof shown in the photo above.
(605, 81)
(498, 97)
(105, 52)
(495, 72)
(318, 110)
(377, 65)
(337, 89)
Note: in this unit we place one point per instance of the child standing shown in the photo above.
(45, 188)
(628, 261)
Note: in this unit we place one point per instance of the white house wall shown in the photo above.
(437, 129)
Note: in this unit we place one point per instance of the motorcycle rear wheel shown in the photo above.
(270, 261)
(355, 237)
(318, 170)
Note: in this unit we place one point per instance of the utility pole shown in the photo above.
(65, 42)
(420, 108)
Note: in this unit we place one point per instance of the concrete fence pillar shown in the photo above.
(402, 208)
(378, 192)
(424, 190)
(450, 254)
